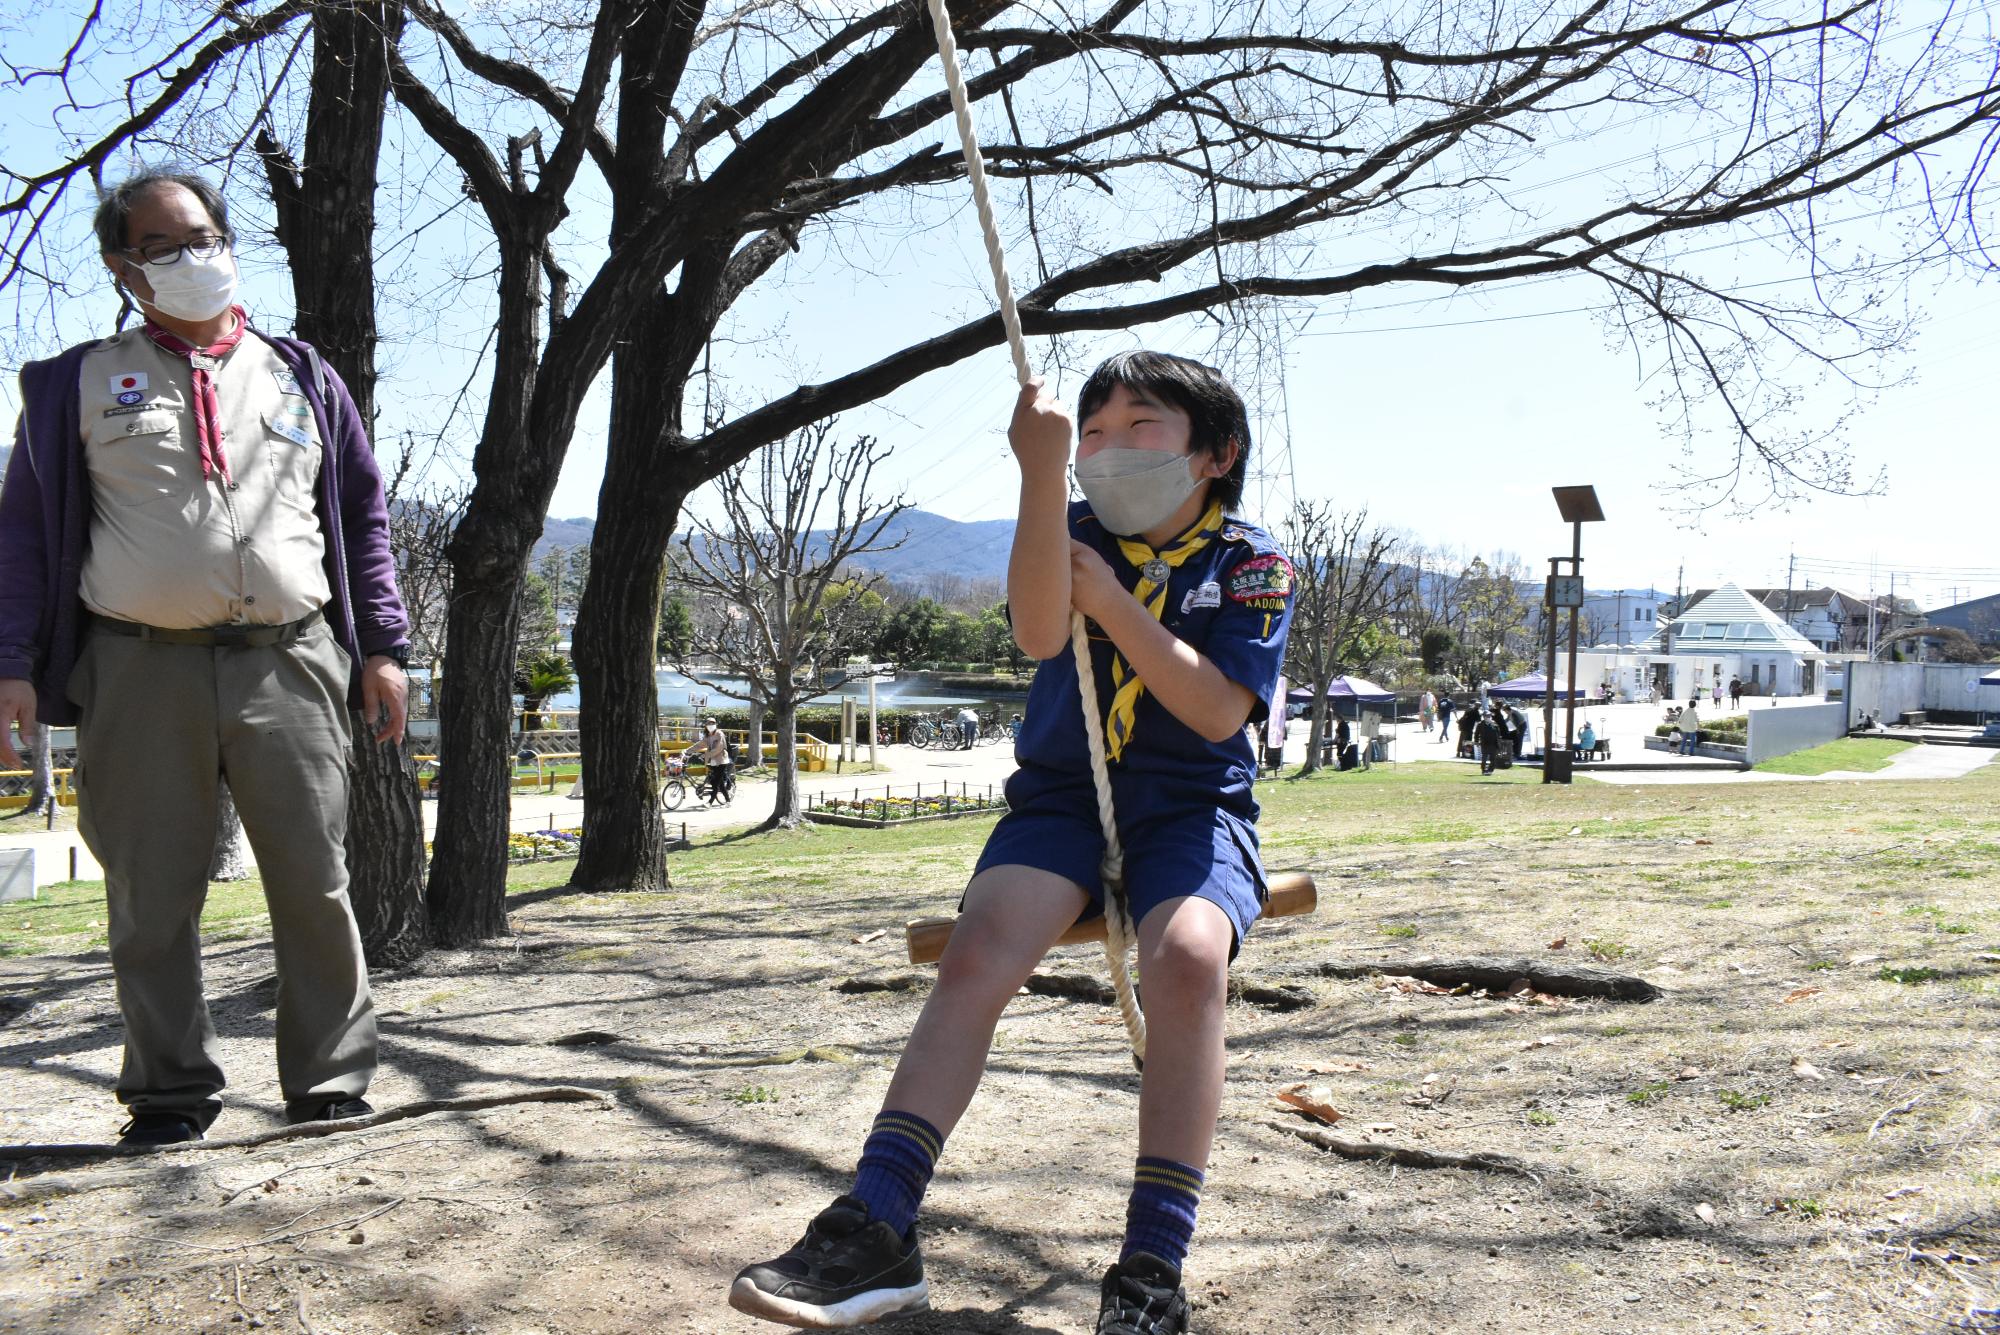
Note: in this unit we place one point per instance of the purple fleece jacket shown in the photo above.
(45, 512)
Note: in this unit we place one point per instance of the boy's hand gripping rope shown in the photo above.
(1119, 932)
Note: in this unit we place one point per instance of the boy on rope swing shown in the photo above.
(1188, 607)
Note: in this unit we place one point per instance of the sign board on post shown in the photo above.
(17, 874)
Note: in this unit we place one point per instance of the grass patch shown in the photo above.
(1649, 1093)
(1914, 973)
(1861, 754)
(1805, 1207)
(755, 1094)
(1737, 1101)
(1400, 930)
(1541, 1117)
(69, 917)
(1606, 948)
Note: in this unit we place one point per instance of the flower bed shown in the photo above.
(543, 845)
(880, 812)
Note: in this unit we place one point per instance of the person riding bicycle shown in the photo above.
(713, 748)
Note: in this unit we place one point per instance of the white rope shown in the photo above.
(1118, 928)
(975, 167)
(1118, 931)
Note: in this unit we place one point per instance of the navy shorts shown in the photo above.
(1206, 853)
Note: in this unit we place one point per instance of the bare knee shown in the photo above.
(1186, 972)
(980, 965)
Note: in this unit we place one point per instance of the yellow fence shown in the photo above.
(65, 794)
(815, 755)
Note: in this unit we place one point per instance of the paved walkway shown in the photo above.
(1916, 762)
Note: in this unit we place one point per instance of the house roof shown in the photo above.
(1731, 621)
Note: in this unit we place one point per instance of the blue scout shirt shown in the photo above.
(1232, 602)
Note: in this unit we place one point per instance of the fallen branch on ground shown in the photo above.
(1498, 975)
(303, 1130)
(1408, 1156)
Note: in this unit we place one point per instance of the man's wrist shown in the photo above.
(399, 654)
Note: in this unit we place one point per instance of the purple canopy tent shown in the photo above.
(1533, 687)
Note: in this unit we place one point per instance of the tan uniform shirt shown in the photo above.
(169, 547)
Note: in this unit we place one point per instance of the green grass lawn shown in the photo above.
(1424, 807)
(1861, 754)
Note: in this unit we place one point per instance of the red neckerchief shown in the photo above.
(207, 408)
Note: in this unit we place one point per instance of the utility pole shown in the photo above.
(1791, 565)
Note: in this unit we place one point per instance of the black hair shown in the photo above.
(114, 206)
(1215, 410)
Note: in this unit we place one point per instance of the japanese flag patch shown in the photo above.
(1262, 581)
(128, 382)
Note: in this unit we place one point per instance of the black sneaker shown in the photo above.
(1142, 1296)
(329, 1110)
(160, 1128)
(847, 1270)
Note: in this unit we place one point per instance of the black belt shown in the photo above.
(214, 637)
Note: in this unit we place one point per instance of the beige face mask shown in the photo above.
(1131, 491)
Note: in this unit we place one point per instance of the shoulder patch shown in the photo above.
(1261, 580)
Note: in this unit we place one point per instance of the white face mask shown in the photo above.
(192, 289)
(1132, 491)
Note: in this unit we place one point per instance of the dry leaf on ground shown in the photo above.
(1312, 1100)
(1800, 994)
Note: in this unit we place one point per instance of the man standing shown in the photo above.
(195, 570)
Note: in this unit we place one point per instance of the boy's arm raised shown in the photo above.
(1038, 569)
(1192, 689)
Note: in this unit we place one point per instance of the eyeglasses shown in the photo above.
(169, 252)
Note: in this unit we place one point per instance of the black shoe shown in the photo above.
(846, 1271)
(332, 1110)
(160, 1128)
(1142, 1296)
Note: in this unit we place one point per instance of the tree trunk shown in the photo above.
(785, 808)
(42, 764)
(624, 834)
(385, 853)
(226, 863)
(326, 223)
(1315, 738)
(467, 897)
(753, 751)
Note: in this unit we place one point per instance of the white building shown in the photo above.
(1727, 635)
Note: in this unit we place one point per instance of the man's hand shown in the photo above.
(17, 709)
(1041, 432)
(1092, 586)
(385, 695)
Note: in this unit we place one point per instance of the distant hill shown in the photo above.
(930, 545)
(565, 533)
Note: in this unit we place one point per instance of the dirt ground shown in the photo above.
(1800, 1136)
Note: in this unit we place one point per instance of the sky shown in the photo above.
(1449, 419)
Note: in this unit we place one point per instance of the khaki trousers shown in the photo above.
(160, 722)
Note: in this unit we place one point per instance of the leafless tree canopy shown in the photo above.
(776, 567)
(1344, 570)
(1213, 153)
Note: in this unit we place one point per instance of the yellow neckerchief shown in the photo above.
(1151, 591)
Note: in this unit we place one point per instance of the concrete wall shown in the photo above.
(1781, 731)
(1891, 689)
